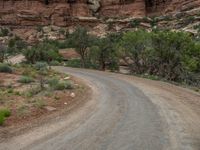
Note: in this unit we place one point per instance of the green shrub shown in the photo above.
(26, 79)
(10, 90)
(3, 51)
(41, 66)
(16, 45)
(135, 23)
(2, 119)
(62, 85)
(74, 63)
(4, 113)
(33, 91)
(45, 51)
(53, 81)
(4, 32)
(40, 103)
(56, 84)
(5, 68)
(54, 63)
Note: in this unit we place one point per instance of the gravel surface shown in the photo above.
(124, 113)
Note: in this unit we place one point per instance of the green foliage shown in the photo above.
(62, 85)
(26, 79)
(33, 91)
(104, 53)
(44, 51)
(2, 119)
(56, 84)
(53, 81)
(174, 56)
(3, 51)
(134, 45)
(153, 22)
(77, 63)
(81, 41)
(16, 45)
(4, 113)
(40, 103)
(4, 32)
(55, 63)
(56, 43)
(135, 23)
(41, 66)
(110, 25)
(5, 68)
(74, 63)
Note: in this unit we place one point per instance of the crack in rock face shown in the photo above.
(94, 5)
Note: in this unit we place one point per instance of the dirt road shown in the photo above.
(124, 113)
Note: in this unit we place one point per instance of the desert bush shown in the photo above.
(174, 56)
(74, 63)
(16, 45)
(40, 103)
(5, 68)
(54, 63)
(62, 85)
(41, 66)
(56, 43)
(33, 91)
(2, 119)
(56, 84)
(53, 81)
(134, 46)
(81, 41)
(4, 113)
(3, 51)
(26, 79)
(135, 23)
(4, 32)
(29, 71)
(104, 54)
(42, 52)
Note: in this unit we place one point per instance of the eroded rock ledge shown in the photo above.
(61, 12)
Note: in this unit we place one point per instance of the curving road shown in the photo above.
(125, 113)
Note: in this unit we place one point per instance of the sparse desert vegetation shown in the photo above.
(30, 91)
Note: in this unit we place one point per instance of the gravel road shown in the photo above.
(124, 113)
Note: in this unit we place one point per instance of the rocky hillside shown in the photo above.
(33, 20)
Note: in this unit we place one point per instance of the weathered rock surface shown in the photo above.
(34, 20)
(61, 13)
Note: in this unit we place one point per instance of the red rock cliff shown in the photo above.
(61, 12)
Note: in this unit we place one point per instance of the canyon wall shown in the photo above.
(61, 12)
(162, 7)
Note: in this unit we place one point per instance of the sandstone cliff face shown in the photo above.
(35, 20)
(61, 12)
(120, 8)
(34, 12)
(171, 6)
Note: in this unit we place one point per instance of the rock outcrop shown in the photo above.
(34, 20)
(62, 12)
